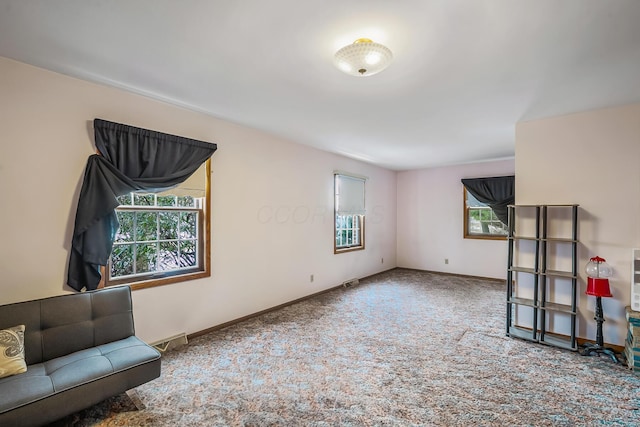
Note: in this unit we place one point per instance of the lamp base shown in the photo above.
(598, 348)
(590, 349)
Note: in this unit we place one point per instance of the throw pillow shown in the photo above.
(12, 351)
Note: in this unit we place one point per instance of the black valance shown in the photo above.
(496, 192)
(130, 159)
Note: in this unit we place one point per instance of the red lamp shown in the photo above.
(598, 272)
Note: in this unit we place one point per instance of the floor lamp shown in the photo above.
(598, 272)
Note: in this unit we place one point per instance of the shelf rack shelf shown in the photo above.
(530, 316)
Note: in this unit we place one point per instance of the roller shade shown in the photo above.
(349, 195)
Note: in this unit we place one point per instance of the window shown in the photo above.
(480, 221)
(349, 213)
(348, 231)
(162, 237)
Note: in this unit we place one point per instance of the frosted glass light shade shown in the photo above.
(363, 58)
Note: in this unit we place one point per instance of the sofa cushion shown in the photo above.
(73, 370)
(12, 351)
(63, 324)
(25, 388)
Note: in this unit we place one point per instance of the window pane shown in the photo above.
(188, 254)
(188, 221)
(125, 231)
(122, 260)
(168, 227)
(143, 199)
(146, 257)
(124, 200)
(167, 201)
(146, 226)
(169, 257)
(186, 201)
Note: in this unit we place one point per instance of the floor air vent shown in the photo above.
(351, 282)
(171, 342)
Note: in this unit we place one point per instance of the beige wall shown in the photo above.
(272, 204)
(592, 159)
(430, 222)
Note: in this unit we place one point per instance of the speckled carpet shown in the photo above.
(403, 348)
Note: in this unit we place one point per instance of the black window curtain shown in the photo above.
(130, 159)
(496, 192)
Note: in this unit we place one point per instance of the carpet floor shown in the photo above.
(402, 348)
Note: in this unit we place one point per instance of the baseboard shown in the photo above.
(445, 273)
(278, 307)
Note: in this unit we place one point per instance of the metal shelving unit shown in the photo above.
(516, 303)
(532, 317)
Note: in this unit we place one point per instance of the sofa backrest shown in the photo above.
(63, 324)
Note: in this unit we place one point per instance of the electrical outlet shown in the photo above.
(446, 260)
(311, 278)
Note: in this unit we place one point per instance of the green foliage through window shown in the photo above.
(347, 231)
(157, 235)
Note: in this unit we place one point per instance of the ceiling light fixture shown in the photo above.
(363, 58)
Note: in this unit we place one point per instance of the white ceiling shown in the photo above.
(464, 71)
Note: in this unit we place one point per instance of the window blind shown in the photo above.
(349, 195)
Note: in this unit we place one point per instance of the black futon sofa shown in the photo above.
(79, 349)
